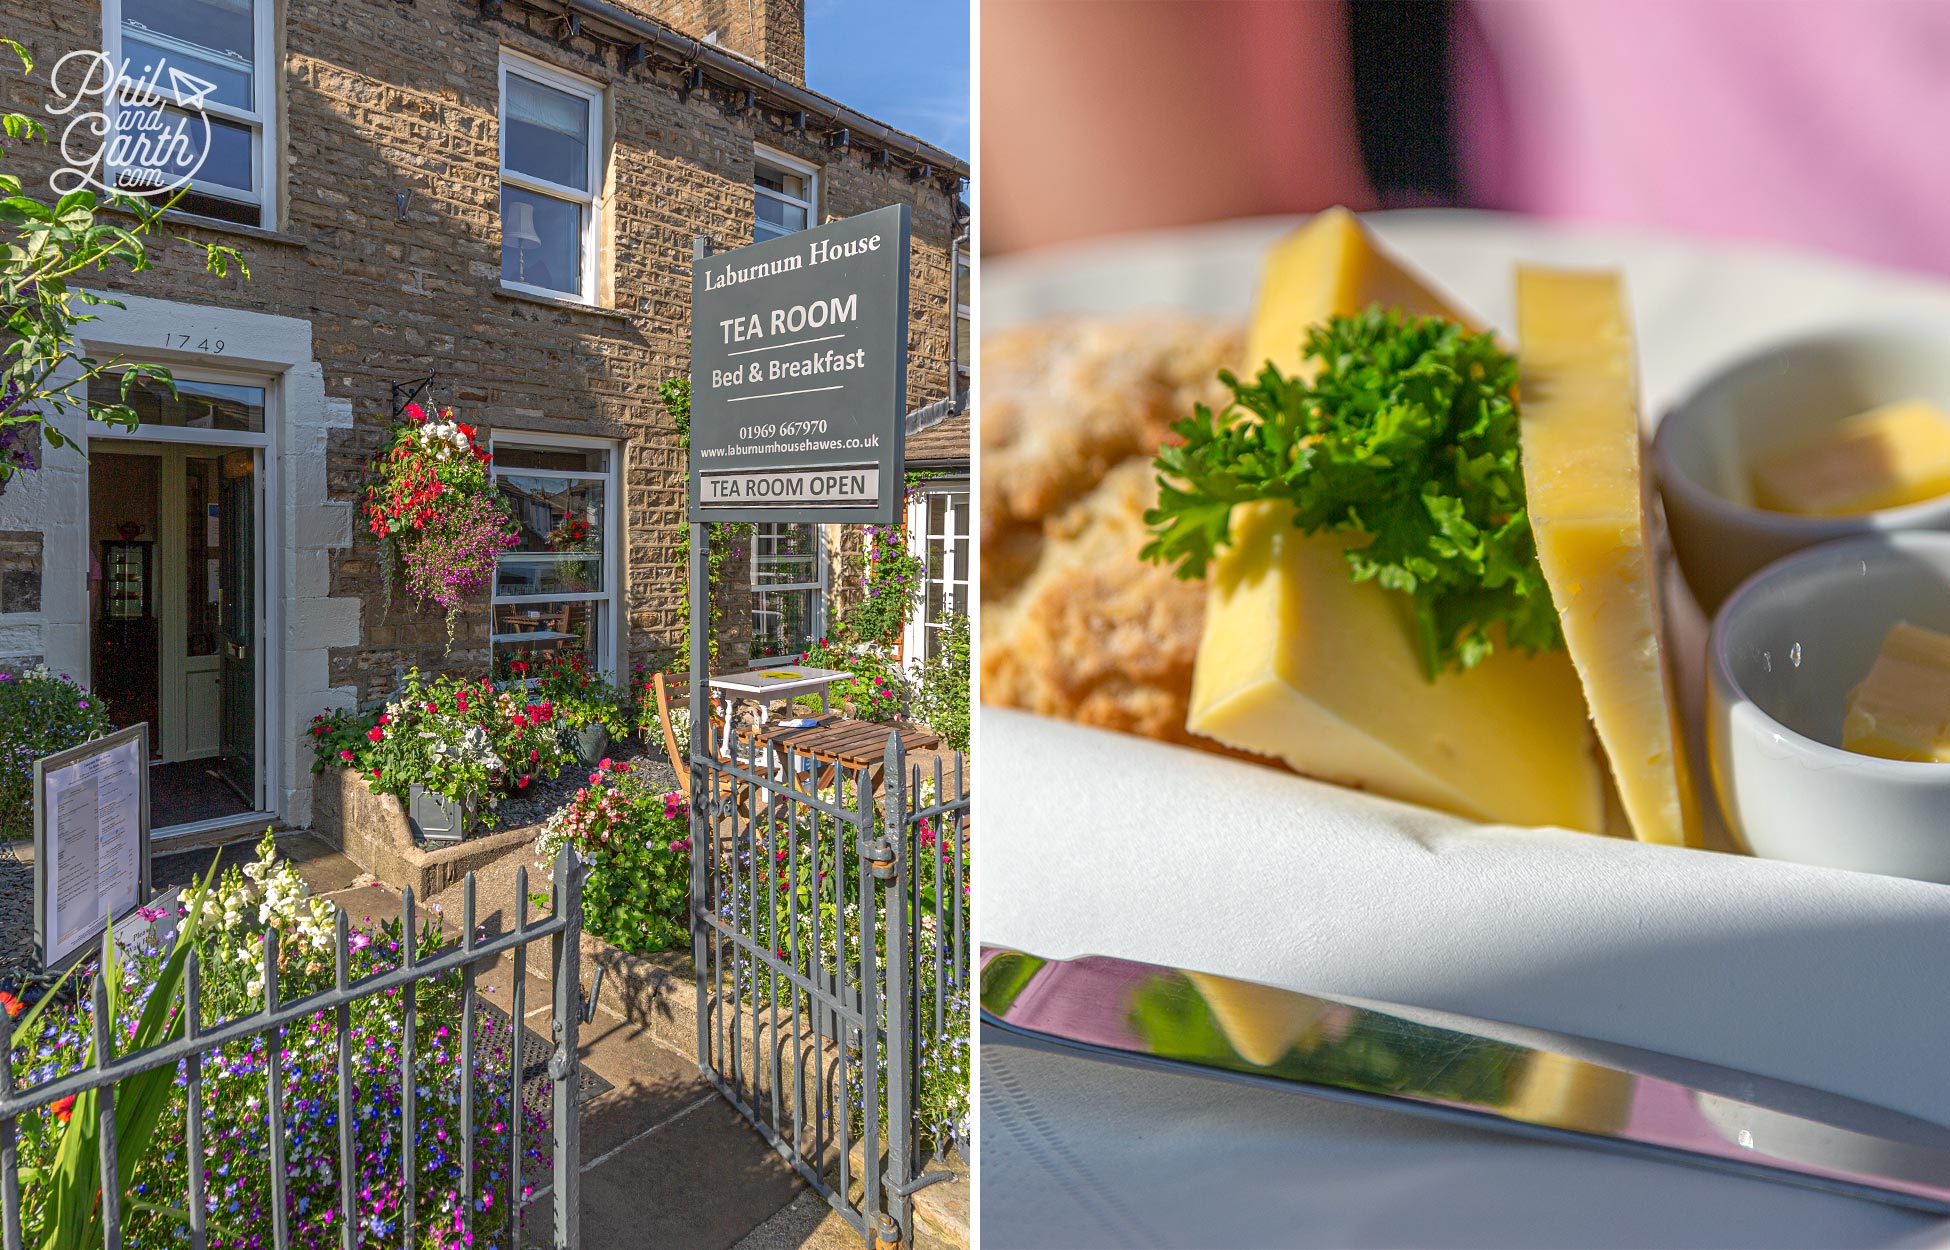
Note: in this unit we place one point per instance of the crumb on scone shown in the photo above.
(1065, 402)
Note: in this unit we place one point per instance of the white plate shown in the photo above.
(1103, 844)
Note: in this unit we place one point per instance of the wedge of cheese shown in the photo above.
(1329, 266)
(1300, 663)
(1581, 467)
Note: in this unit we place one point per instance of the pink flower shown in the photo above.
(345, 755)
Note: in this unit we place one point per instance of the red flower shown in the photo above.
(534, 756)
(415, 412)
(11, 1004)
(375, 774)
(521, 783)
(384, 719)
(520, 666)
(346, 756)
(64, 1108)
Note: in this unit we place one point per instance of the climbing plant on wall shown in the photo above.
(728, 538)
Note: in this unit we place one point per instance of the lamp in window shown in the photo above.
(521, 232)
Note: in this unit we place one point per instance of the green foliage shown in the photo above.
(727, 537)
(893, 578)
(48, 246)
(580, 695)
(879, 690)
(1408, 435)
(40, 713)
(942, 701)
(638, 845)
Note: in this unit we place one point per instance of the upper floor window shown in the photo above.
(551, 171)
(229, 45)
(785, 196)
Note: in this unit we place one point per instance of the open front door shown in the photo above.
(237, 625)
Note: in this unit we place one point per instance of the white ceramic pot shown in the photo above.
(1785, 651)
(1706, 446)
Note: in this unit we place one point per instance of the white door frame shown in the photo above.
(266, 573)
(914, 638)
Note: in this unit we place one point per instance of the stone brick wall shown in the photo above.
(770, 32)
(382, 97)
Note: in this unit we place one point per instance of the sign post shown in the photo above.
(91, 841)
(798, 409)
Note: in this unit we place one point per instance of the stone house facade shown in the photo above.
(501, 195)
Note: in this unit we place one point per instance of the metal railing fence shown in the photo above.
(562, 928)
(809, 883)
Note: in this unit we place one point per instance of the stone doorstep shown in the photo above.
(658, 993)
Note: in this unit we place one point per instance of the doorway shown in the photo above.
(173, 562)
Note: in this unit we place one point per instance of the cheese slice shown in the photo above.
(1883, 458)
(1303, 664)
(1581, 467)
(1329, 266)
(1901, 711)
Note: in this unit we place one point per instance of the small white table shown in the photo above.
(764, 686)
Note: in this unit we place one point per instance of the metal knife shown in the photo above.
(1551, 1086)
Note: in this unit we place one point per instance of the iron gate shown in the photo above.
(200, 1040)
(808, 893)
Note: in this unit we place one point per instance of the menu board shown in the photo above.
(91, 841)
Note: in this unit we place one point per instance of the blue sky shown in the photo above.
(904, 62)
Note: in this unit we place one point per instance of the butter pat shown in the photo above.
(1581, 467)
(1884, 458)
(1901, 711)
(1329, 267)
(1301, 663)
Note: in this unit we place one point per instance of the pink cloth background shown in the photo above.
(1812, 122)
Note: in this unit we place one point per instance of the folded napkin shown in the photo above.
(1107, 844)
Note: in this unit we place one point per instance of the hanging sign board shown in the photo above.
(799, 375)
(91, 841)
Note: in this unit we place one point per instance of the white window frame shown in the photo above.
(763, 155)
(818, 585)
(610, 597)
(515, 63)
(262, 118)
(914, 643)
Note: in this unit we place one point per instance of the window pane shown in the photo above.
(537, 631)
(555, 514)
(782, 622)
(784, 181)
(961, 282)
(565, 459)
(962, 358)
(784, 554)
(541, 241)
(547, 133)
(937, 513)
(779, 216)
(548, 575)
(211, 39)
(218, 153)
(196, 405)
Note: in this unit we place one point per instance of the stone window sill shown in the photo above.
(562, 304)
(216, 225)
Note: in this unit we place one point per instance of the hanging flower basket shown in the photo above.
(439, 517)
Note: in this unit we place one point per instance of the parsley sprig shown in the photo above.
(1408, 434)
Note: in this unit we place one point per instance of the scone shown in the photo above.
(1064, 402)
(1095, 634)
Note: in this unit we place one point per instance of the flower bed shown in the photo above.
(226, 930)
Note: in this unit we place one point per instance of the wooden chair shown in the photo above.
(728, 785)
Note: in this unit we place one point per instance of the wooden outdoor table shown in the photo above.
(839, 742)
